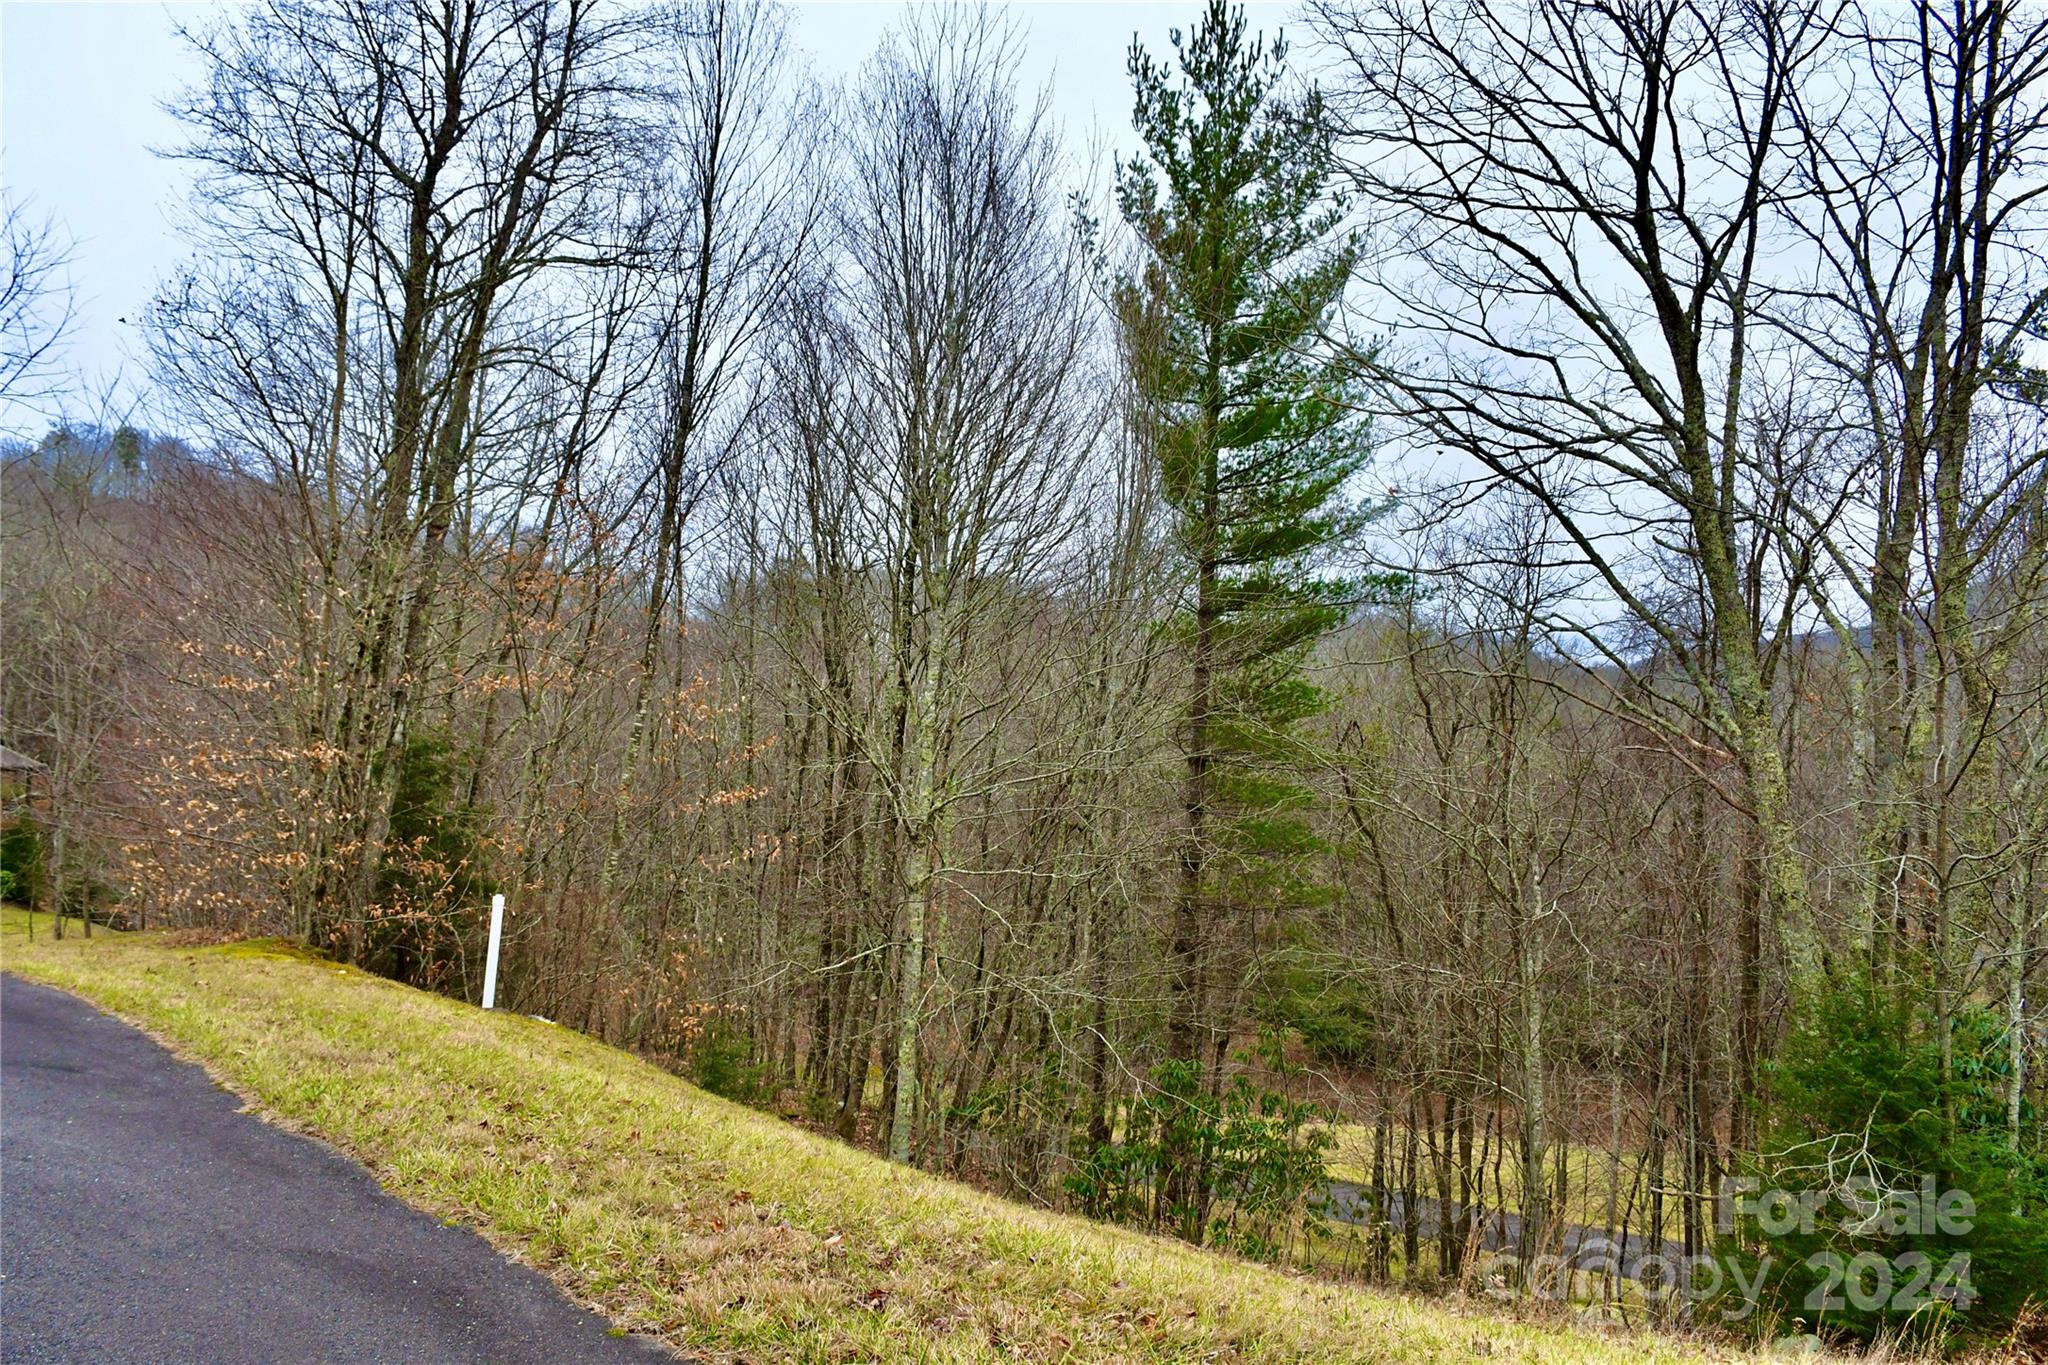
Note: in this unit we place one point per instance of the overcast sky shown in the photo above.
(80, 85)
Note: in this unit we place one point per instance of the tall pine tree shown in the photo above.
(1244, 258)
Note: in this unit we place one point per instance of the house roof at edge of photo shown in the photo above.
(13, 762)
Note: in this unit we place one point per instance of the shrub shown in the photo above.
(1925, 1223)
(432, 885)
(1259, 1162)
(722, 1061)
(21, 861)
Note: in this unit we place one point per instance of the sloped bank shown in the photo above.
(717, 1228)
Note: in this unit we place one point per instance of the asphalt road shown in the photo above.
(1581, 1248)
(143, 1218)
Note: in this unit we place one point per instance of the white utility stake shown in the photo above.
(491, 958)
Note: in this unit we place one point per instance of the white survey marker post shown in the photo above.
(491, 957)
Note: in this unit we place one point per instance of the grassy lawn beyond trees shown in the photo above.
(709, 1225)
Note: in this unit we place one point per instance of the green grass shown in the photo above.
(711, 1226)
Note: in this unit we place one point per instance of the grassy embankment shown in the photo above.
(711, 1226)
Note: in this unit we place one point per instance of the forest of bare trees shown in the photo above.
(1465, 613)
